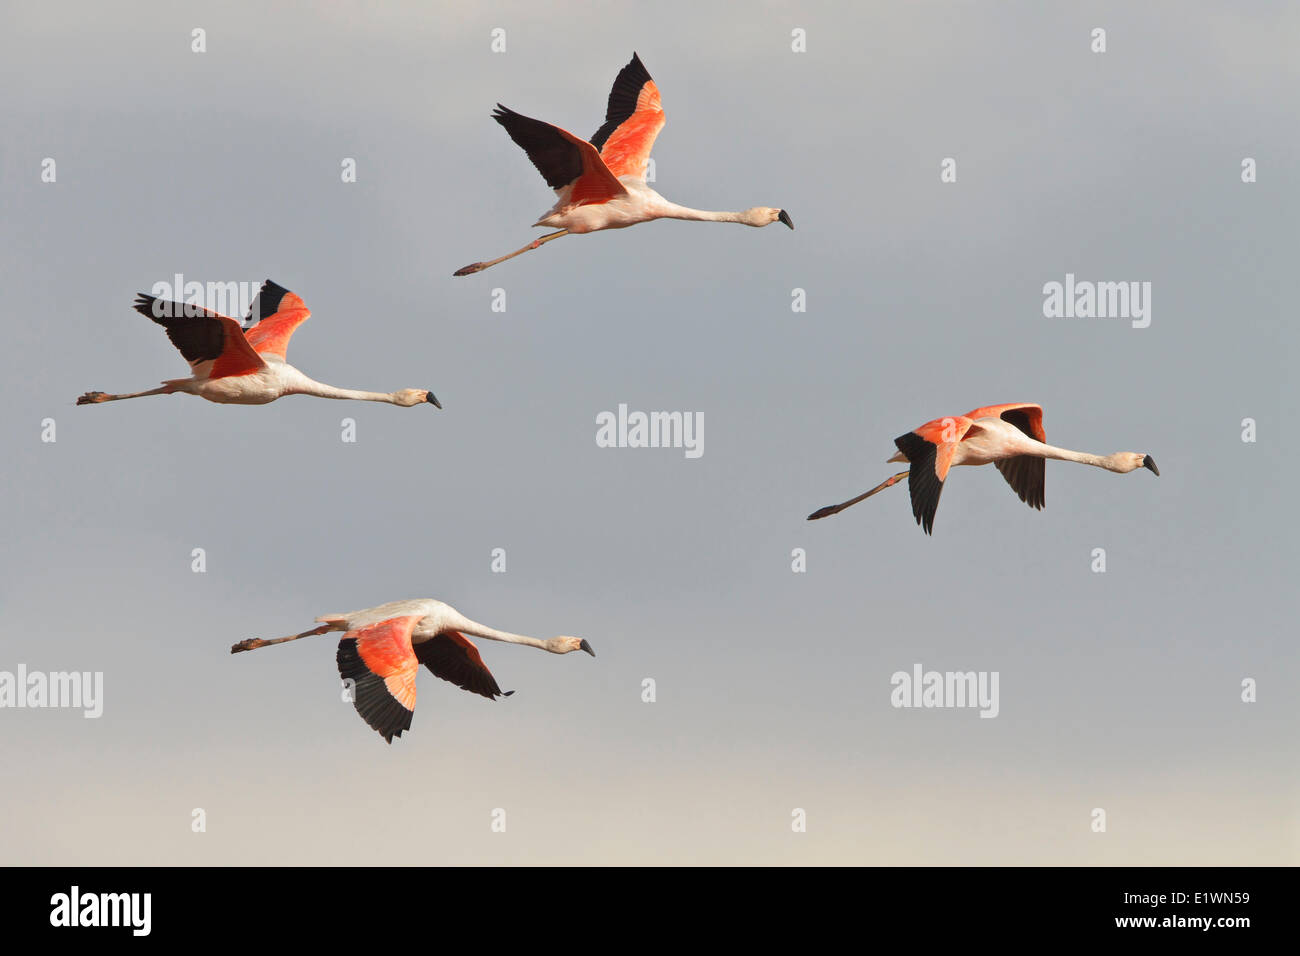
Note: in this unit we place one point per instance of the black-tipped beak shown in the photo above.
(584, 646)
(1149, 462)
(433, 400)
(785, 218)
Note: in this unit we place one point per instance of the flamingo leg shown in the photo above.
(253, 643)
(836, 509)
(480, 266)
(94, 398)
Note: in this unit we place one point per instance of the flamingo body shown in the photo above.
(635, 204)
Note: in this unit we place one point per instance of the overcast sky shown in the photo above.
(1119, 690)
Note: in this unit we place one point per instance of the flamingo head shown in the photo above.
(1126, 461)
(765, 216)
(408, 397)
(566, 645)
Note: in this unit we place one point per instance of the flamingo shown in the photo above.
(244, 366)
(601, 184)
(384, 646)
(1009, 436)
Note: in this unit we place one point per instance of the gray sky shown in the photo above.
(1119, 691)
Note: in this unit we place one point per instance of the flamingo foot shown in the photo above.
(92, 398)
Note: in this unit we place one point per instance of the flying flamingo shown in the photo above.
(384, 646)
(244, 366)
(601, 184)
(1010, 436)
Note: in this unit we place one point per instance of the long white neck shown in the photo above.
(673, 211)
(307, 386)
(1082, 457)
(463, 624)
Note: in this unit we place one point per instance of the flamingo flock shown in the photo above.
(600, 184)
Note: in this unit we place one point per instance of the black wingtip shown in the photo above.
(1149, 462)
(433, 400)
(785, 218)
(558, 159)
(146, 305)
(623, 98)
(266, 303)
(923, 484)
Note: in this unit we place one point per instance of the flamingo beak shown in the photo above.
(584, 646)
(1149, 462)
(433, 400)
(785, 218)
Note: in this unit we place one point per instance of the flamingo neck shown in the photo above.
(307, 386)
(461, 623)
(1082, 457)
(674, 211)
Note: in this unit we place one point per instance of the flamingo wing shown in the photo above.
(929, 450)
(212, 343)
(272, 319)
(1026, 474)
(633, 119)
(453, 657)
(381, 665)
(571, 166)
